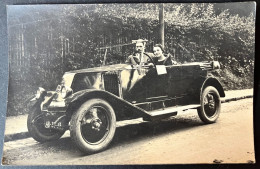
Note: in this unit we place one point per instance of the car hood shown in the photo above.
(103, 68)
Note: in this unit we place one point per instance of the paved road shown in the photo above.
(182, 139)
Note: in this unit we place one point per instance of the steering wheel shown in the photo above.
(149, 65)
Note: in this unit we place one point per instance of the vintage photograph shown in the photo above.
(139, 83)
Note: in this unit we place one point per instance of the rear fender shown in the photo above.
(123, 109)
(211, 81)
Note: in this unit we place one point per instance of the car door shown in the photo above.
(144, 84)
(133, 84)
(183, 79)
(156, 85)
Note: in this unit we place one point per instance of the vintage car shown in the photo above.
(89, 102)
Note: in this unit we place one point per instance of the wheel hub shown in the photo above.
(211, 104)
(96, 124)
(92, 120)
(209, 101)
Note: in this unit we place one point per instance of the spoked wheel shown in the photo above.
(36, 127)
(210, 105)
(93, 125)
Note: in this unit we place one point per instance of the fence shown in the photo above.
(39, 54)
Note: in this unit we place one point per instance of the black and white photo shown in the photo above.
(139, 83)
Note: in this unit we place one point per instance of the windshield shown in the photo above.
(67, 79)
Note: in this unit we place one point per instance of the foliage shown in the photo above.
(46, 41)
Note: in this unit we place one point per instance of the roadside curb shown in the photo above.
(23, 135)
(16, 136)
(236, 98)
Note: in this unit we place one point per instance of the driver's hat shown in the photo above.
(140, 41)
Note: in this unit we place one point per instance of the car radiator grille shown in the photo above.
(111, 83)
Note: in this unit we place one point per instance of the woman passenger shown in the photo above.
(160, 58)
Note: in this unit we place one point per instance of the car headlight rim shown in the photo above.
(65, 91)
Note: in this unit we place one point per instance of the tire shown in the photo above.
(210, 105)
(93, 126)
(36, 127)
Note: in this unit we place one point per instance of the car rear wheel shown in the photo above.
(93, 125)
(210, 105)
(36, 127)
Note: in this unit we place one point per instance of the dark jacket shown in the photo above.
(167, 61)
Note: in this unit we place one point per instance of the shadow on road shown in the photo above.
(124, 135)
(136, 132)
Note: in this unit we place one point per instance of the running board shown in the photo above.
(167, 112)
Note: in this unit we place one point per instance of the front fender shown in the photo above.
(34, 103)
(123, 109)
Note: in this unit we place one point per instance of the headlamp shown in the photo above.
(58, 89)
(65, 91)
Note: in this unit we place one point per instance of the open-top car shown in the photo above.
(89, 102)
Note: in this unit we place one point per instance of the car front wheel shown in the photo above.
(36, 127)
(93, 125)
(210, 105)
